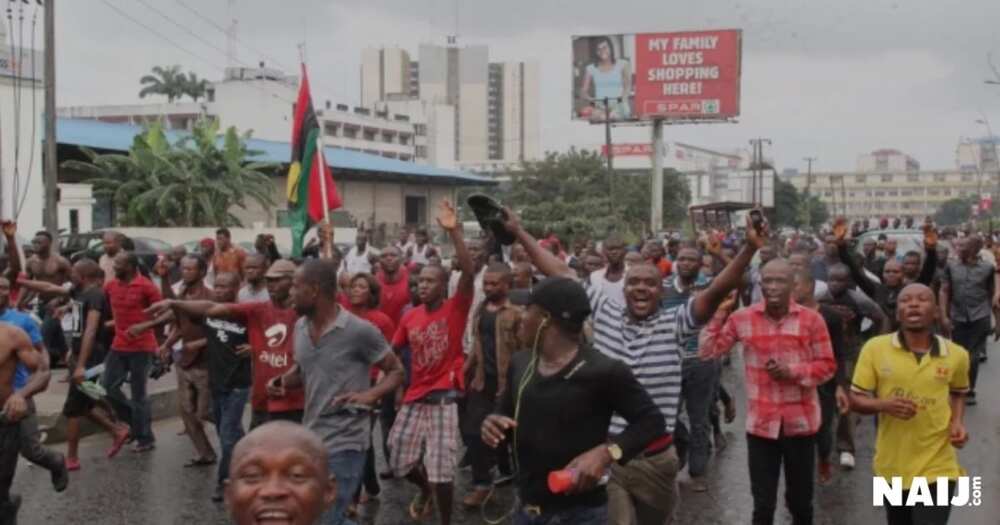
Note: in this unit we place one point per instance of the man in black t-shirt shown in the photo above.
(558, 407)
(227, 353)
(84, 322)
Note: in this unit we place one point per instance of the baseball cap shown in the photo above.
(280, 268)
(207, 243)
(563, 298)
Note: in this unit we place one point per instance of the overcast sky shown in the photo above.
(825, 79)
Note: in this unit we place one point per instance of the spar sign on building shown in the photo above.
(690, 75)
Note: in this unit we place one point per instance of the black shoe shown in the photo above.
(60, 476)
(386, 475)
(219, 495)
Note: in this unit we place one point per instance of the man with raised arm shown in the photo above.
(648, 337)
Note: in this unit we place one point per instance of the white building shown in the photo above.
(496, 105)
(434, 125)
(22, 96)
(261, 100)
(978, 155)
(883, 160)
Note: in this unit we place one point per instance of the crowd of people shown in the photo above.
(588, 378)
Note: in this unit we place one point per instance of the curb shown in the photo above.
(163, 405)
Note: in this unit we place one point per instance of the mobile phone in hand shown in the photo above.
(757, 219)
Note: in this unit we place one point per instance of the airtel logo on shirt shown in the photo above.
(276, 335)
(274, 359)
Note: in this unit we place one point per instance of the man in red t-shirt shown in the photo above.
(427, 425)
(270, 327)
(395, 282)
(134, 346)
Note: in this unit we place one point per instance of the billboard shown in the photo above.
(690, 75)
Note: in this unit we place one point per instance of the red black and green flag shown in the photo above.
(308, 169)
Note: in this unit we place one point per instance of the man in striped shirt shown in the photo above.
(648, 337)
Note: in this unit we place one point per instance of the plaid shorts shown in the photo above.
(425, 432)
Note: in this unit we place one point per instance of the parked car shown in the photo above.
(146, 249)
(71, 243)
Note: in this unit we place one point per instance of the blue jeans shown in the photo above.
(228, 406)
(574, 516)
(699, 382)
(346, 466)
(135, 365)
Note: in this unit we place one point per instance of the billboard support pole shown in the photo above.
(656, 179)
(609, 153)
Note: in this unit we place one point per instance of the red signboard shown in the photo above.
(628, 150)
(675, 76)
(688, 75)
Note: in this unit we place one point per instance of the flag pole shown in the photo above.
(327, 244)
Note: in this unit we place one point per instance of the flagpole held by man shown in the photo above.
(311, 190)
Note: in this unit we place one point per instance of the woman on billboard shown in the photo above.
(611, 78)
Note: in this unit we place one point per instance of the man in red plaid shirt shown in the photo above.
(787, 353)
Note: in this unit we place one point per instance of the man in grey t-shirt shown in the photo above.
(255, 289)
(334, 353)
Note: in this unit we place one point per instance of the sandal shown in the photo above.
(420, 508)
(199, 462)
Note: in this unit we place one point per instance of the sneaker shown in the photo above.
(970, 399)
(60, 476)
(825, 472)
(219, 495)
(847, 460)
(72, 464)
(140, 448)
(476, 497)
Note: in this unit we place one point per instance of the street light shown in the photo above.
(992, 82)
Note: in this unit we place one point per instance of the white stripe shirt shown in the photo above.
(651, 348)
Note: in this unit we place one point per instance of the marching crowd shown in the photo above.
(588, 378)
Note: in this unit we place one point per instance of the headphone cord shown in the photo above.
(522, 384)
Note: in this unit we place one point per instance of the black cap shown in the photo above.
(491, 217)
(563, 298)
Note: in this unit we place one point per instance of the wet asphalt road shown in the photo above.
(154, 489)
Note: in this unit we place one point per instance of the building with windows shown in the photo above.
(496, 105)
(261, 100)
(873, 195)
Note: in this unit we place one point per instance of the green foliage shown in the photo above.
(955, 211)
(194, 182)
(570, 194)
(792, 207)
(173, 84)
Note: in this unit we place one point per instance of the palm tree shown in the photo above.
(164, 81)
(194, 182)
(195, 87)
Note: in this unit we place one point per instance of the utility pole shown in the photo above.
(656, 180)
(609, 154)
(809, 181)
(50, 219)
(758, 166)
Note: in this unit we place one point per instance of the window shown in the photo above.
(369, 134)
(416, 210)
(283, 218)
(880, 194)
(913, 177)
(351, 133)
(421, 152)
(887, 177)
(933, 192)
(404, 139)
(420, 129)
(939, 177)
(967, 177)
(860, 179)
(892, 193)
(947, 193)
(74, 221)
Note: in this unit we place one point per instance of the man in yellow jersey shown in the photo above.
(916, 382)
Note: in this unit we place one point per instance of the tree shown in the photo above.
(195, 87)
(955, 211)
(169, 82)
(193, 182)
(570, 194)
(791, 208)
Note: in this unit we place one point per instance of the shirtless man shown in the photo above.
(15, 347)
(53, 268)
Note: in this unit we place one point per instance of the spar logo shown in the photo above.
(968, 491)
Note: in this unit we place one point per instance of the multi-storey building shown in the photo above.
(496, 105)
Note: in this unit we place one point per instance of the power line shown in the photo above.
(168, 40)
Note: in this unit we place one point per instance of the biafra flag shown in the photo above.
(308, 167)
